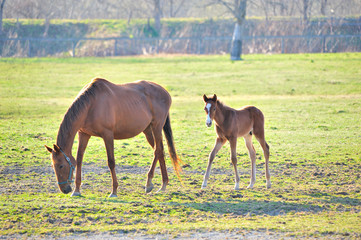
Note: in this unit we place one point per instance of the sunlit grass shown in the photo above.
(312, 107)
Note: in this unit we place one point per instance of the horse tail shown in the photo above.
(171, 148)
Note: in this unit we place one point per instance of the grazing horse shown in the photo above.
(111, 111)
(231, 124)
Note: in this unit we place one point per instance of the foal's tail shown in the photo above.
(171, 148)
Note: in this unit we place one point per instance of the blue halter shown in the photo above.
(72, 168)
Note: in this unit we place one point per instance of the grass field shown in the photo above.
(312, 105)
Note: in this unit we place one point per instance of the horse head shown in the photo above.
(63, 167)
(210, 108)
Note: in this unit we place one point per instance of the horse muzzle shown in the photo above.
(66, 189)
(209, 123)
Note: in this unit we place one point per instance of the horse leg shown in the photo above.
(109, 145)
(218, 145)
(158, 155)
(261, 139)
(149, 185)
(252, 155)
(159, 152)
(83, 142)
(233, 144)
(149, 135)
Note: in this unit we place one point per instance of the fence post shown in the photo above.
(157, 46)
(323, 44)
(29, 48)
(115, 47)
(308, 43)
(73, 48)
(200, 45)
(282, 45)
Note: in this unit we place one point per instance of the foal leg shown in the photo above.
(109, 145)
(265, 148)
(233, 144)
(83, 142)
(252, 155)
(219, 143)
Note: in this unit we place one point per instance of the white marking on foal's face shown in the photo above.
(209, 120)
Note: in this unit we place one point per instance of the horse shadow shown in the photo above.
(342, 199)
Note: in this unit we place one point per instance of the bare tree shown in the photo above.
(264, 6)
(157, 15)
(1, 16)
(174, 9)
(323, 7)
(238, 10)
(305, 9)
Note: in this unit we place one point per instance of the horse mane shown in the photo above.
(80, 103)
(222, 106)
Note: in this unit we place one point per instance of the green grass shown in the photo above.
(313, 116)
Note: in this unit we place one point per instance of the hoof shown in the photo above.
(268, 185)
(149, 189)
(204, 185)
(236, 187)
(162, 189)
(250, 186)
(112, 195)
(75, 194)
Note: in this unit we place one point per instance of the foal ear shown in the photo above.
(214, 98)
(205, 98)
(56, 148)
(49, 149)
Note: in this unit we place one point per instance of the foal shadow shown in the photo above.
(255, 207)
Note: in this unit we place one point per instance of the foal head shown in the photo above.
(210, 108)
(63, 168)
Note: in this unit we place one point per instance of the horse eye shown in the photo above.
(61, 166)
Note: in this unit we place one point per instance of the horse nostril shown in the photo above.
(67, 189)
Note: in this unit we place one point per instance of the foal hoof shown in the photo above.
(112, 195)
(268, 185)
(75, 194)
(149, 188)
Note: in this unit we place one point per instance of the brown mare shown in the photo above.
(231, 124)
(111, 111)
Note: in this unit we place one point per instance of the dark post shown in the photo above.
(29, 49)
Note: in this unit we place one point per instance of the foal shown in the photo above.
(231, 124)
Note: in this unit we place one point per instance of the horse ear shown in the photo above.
(49, 149)
(205, 98)
(56, 148)
(214, 98)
